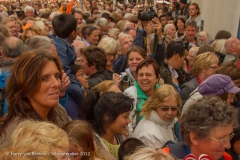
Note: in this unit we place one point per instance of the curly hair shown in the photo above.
(204, 115)
(35, 29)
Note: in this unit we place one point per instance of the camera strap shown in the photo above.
(155, 42)
(144, 39)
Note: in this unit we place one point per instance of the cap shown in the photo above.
(217, 84)
(183, 1)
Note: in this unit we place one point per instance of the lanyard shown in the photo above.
(187, 150)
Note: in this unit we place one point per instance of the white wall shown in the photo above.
(220, 15)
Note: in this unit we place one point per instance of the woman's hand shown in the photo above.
(116, 78)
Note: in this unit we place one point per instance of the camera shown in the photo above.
(147, 15)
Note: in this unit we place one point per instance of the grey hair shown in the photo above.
(109, 45)
(12, 47)
(204, 115)
(54, 14)
(37, 42)
(191, 23)
(167, 27)
(128, 16)
(87, 30)
(28, 8)
(102, 22)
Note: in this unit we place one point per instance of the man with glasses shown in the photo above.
(232, 46)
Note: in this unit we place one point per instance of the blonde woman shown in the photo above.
(32, 31)
(147, 153)
(160, 115)
(204, 65)
(203, 38)
(219, 46)
(191, 56)
(44, 136)
(109, 45)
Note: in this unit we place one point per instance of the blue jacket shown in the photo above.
(67, 55)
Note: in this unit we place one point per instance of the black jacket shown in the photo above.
(98, 77)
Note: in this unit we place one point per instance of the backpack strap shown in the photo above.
(178, 150)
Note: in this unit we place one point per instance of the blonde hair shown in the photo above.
(39, 135)
(103, 86)
(120, 25)
(194, 50)
(122, 36)
(35, 29)
(219, 45)
(203, 60)
(158, 98)
(109, 45)
(147, 153)
(204, 34)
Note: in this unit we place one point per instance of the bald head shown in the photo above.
(232, 46)
(170, 30)
(78, 45)
(12, 47)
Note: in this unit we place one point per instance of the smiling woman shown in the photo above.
(147, 79)
(32, 92)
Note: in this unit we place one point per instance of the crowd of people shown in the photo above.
(126, 82)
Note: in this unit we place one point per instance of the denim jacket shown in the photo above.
(67, 55)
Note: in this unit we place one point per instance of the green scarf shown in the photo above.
(142, 97)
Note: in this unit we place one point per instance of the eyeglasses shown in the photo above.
(235, 43)
(148, 75)
(166, 108)
(81, 74)
(111, 55)
(223, 140)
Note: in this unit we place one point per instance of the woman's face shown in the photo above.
(120, 125)
(110, 58)
(82, 78)
(18, 27)
(211, 70)
(180, 24)
(134, 58)
(93, 37)
(168, 110)
(202, 39)
(46, 97)
(215, 144)
(190, 58)
(147, 79)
